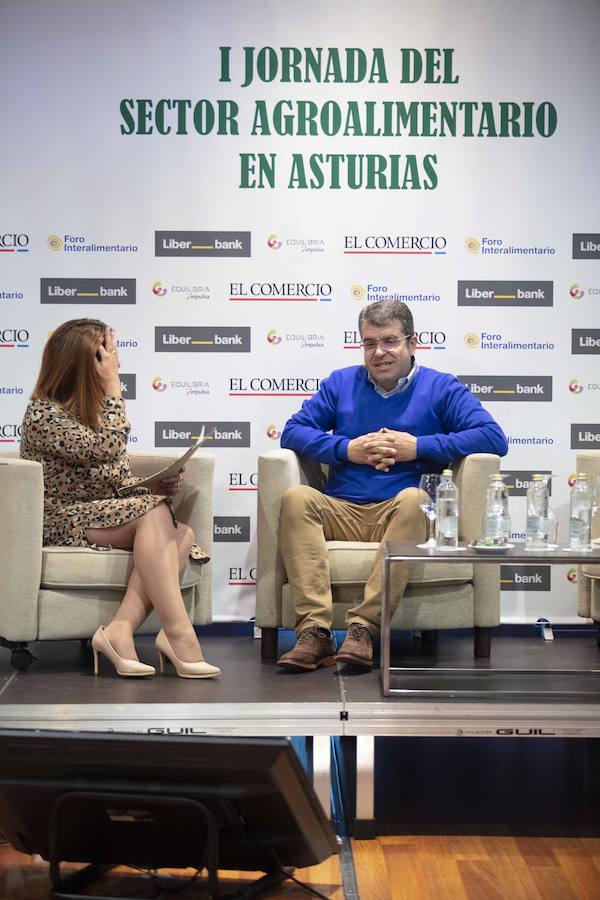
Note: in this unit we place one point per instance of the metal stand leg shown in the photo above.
(322, 771)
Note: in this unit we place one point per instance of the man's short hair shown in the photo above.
(382, 312)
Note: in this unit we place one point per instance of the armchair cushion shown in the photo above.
(351, 562)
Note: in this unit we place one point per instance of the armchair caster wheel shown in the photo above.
(21, 659)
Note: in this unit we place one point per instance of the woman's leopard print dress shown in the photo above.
(83, 468)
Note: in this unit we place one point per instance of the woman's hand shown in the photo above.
(107, 365)
(171, 486)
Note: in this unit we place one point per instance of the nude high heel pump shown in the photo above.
(125, 667)
(184, 669)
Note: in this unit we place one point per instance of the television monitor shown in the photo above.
(138, 800)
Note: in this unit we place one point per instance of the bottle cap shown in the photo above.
(448, 472)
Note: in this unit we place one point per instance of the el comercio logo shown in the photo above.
(14, 243)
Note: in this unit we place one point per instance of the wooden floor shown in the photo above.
(398, 868)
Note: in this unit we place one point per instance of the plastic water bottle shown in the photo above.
(446, 523)
(496, 521)
(581, 514)
(538, 537)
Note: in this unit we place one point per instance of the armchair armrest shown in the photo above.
(21, 529)
(472, 478)
(588, 461)
(277, 471)
(194, 506)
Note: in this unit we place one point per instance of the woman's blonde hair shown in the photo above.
(68, 373)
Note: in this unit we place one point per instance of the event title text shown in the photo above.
(341, 117)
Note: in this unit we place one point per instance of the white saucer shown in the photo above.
(490, 548)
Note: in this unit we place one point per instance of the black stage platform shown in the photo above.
(255, 697)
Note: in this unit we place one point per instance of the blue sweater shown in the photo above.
(446, 419)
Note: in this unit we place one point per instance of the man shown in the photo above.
(379, 427)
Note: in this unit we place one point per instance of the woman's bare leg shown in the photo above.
(160, 553)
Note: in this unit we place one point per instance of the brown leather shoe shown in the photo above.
(314, 648)
(357, 649)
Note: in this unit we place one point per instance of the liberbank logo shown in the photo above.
(398, 244)
(585, 340)
(231, 528)
(127, 386)
(112, 291)
(202, 243)
(509, 387)
(525, 578)
(585, 435)
(201, 339)
(218, 434)
(505, 293)
(586, 246)
(519, 480)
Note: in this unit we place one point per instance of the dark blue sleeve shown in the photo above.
(467, 426)
(308, 431)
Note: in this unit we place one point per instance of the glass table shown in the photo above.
(506, 682)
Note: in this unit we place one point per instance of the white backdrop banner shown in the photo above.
(227, 184)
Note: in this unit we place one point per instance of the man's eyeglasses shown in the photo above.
(387, 343)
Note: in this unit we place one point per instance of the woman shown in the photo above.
(75, 425)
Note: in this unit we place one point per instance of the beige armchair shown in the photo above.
(457, 595)
(58, 593)
(588, 576)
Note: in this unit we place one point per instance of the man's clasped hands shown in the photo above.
(382, 449)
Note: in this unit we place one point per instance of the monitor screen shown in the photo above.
(134, 799)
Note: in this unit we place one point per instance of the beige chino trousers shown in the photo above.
(310, 518)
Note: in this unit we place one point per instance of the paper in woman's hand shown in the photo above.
(153, 481)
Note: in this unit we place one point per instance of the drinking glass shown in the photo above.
(428, 487)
